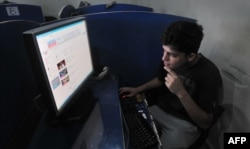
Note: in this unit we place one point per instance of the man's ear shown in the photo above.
(191, 57)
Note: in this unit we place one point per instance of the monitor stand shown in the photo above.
(78, 111)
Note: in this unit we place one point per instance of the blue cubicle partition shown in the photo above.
(14, 11)
(110, 8)
(129, 43)
(18, 85)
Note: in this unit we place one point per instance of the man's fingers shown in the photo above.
(170, 71)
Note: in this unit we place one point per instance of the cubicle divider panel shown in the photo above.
(18, 85)
(110, 8)
(14, 11)
(129, 43)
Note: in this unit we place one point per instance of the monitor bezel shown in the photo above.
(39, 68)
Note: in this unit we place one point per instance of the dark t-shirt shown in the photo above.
(203, 83)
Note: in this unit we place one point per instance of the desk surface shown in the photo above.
(103, 129)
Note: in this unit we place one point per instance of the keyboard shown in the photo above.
(141, 134)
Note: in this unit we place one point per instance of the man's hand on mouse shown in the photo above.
(128, 92)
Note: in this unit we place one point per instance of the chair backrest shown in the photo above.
(66, 11)
(18, 85)
(204, 134)
(129, 42)
(112, 7)
(14, 11)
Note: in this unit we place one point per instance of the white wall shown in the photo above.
(226, 24)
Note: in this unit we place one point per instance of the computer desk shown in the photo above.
(102, 130)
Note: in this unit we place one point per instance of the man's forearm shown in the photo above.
(149, 85)
(198, 115)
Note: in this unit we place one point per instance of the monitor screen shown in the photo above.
(61, 56)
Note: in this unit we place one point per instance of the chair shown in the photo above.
(111, 4)
(110, 7)
(6, 2)
(66, 11)
(204, 133)
(83, 4)
(18, 86)
(50, 18)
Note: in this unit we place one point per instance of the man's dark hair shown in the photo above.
(183, 36)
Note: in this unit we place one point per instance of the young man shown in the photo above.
(190, 86)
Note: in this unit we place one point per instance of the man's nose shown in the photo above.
(165, 57)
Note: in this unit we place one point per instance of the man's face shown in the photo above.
(173, 59)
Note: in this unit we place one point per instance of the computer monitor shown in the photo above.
(61, 58)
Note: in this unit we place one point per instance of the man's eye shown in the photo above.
(173, 55)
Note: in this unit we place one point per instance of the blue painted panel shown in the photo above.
(21, 12)
(129, 42)
(18, 84)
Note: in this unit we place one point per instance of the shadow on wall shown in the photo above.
(236, 104)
